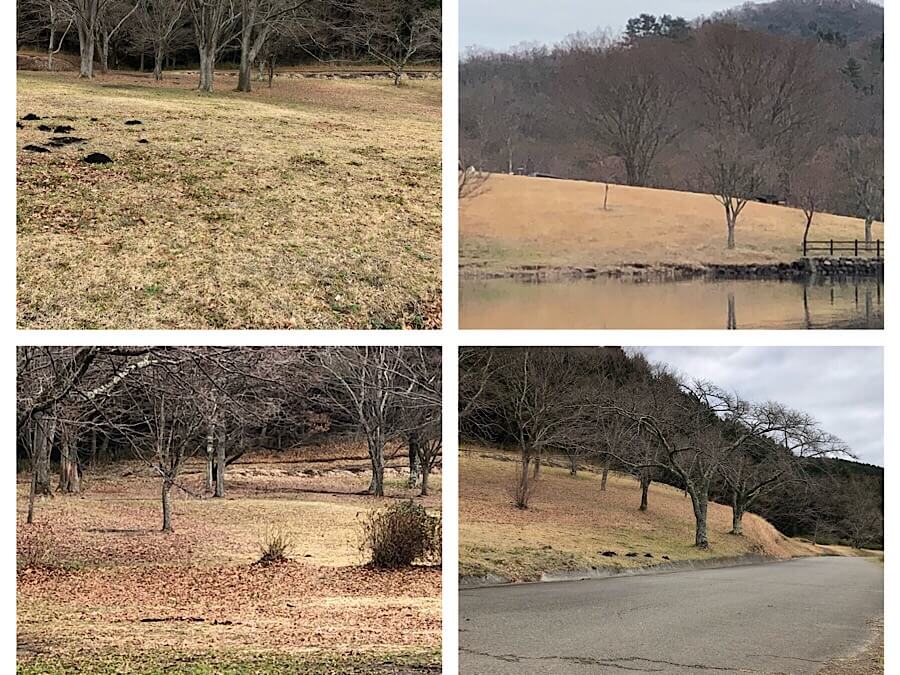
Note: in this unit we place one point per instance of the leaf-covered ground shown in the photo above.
(108, 592)
(315, 204)
(570, 523)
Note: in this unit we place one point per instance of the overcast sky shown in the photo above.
(500, 24)
(842, 387)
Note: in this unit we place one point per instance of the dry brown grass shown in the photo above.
(518, 220)
(315, 204)
(570, 522)
(114, 584)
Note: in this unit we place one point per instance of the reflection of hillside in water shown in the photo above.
(699, 303)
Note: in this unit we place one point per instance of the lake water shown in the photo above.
(696, 303)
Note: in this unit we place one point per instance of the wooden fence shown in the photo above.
(855, 247)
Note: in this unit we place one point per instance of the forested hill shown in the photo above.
(852, 19)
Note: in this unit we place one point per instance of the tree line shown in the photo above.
(392, 33)
(708, 107)
(166, 405)
(612, 409)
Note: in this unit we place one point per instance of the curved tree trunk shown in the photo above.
(700, 503)
(645, 489)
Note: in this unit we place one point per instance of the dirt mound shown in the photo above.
(36, 62)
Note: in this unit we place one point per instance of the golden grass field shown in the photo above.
(570, 522)
(518, 220)
(315, 204)
(117, 595)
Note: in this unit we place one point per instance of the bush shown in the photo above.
(402, 534)
(274, 547)
(32, 550)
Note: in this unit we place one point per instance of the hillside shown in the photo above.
(520, 220)
(854, 19)
(571, 523)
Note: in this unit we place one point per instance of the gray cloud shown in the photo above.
(843, 387)
(500, 24)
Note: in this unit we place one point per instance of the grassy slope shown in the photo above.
(111, 568)
(570, 522)
(516, 220)
(312, 205)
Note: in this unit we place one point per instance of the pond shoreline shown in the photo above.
(804, 268)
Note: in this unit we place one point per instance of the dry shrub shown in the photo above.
(274, 547)
(401, 534)
(32, 550)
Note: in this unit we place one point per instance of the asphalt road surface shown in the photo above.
(787, 617)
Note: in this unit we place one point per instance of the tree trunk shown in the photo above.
(31, 495)
(44, 431)
(731, 220)
(166, 506)
(86, 49)
(645, 489)
(423, 492)
(737, 515)
(158, 59)
(869, 220)
(69, 479)
(207, 67)
(700, 503)
(605, 475)
(244, 79)
(537, 465)
(413, 443)
(376, 455)
(210, 461)
(573, 466)
(809, 219)
(141, 66)
(220, 467)
(104, 54)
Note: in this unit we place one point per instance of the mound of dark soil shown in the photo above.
(44, 127)
(97, 158)
(143, 140)
(132, 123)
(30, 117)
(35, 148)
(63, 129)
(61, 141)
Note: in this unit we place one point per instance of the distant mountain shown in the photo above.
(852, 19)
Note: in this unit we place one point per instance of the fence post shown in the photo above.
(878, 245)
(832, 248)
(856, 247)
(804, 247)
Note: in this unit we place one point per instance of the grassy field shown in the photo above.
(570, 523)
(113, 594)
(315, 204)
(516, 220)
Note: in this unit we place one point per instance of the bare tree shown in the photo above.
(394, 32)
(259, 20)
(813, 188)
(110, 20)
(630, 107)
(861, 161)
(214, 29)
(733, 173)
(161, 25)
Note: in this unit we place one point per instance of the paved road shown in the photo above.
(785, 617)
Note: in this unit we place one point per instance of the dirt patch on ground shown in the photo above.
(298, 206)
(516, 221)
(572, 525)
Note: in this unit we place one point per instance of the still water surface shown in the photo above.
(695, 303)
